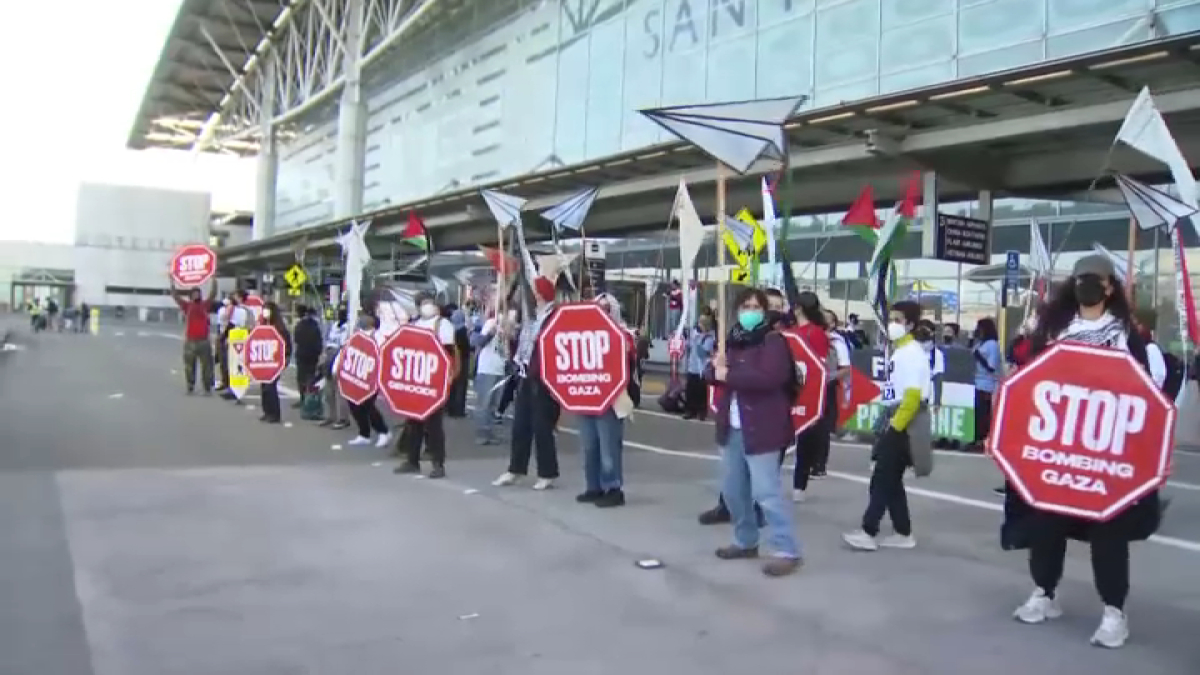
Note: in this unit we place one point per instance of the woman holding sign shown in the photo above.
(270, 390)
(812, 444)
(1090, 307)
(754, 424)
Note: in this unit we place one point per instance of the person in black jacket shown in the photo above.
(456, 404)
(309, 344)
(270, 390)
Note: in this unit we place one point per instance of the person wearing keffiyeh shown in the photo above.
(536, 410)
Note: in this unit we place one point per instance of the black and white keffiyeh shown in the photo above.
(1105, 331)
(527, 339)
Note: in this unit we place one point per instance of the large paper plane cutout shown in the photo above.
(570, 212)
(1150, 206)
(735, 134)
(505, 208)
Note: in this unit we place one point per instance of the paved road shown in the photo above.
(145, 532)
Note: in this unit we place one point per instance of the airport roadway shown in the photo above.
(144, 532)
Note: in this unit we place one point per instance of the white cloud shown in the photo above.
(75, 73)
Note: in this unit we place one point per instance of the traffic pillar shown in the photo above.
(352, 120)
(268, 158)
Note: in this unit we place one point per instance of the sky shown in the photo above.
(77, 70)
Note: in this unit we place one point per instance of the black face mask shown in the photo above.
(1089, 291)
(778, 318)
(947, 339)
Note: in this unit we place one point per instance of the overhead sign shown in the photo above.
(810, 402)
(358, 369)
(193, 265)
(414, 372)
(964, 240)
(295, 278)
(235, 352)
(254, 304)
(1083, 431)
(265, 354)
(583, 357)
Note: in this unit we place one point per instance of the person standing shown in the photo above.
(430, 432)
(366, 414)
(536, 410)
(309, 343)
(986, 354)
(236, 316)
(674, 307)
(838, 381)
(196, 347)
(85, 317)
(270, 390)
(902, 435)
(336, 409)
(813, 443)
(456, 405)
(701, 344)
(491, 350)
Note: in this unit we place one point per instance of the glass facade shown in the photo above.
(508, 87)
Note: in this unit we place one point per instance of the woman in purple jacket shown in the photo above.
(754, 423)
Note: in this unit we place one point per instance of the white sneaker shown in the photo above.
(383, 441)
(359, 440)
(506, 479)
(898, 541)
(543, 484)
(798, 496)
(1113, 630)
(861, 540)
(1038, 608)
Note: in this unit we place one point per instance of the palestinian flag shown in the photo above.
(861, 217)
(882, 270)
(415, 233)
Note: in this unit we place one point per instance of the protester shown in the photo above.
(986, 354)
(813, 443)
(926, 336)
(536, 410)
(491, 349)
(270, 390)
(336, 407)
(838, 378)
(456, 404)
(602, 436)
(430, 432)
(309, 346)
(1091, 308)
(509, 391)
(700, 347)
(754, 424)
(196, 346)
(366, 414)
(902, 435)
(674, 307)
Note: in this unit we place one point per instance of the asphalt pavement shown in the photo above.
(148, 532)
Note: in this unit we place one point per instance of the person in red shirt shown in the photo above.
(196, 345)
(813, 442)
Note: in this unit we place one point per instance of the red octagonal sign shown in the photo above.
(414, 372)
(1083, 431)
(266, 354)
(358, 369)
(810, 400)
(584, 358)
(193, 265)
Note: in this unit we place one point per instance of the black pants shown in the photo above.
(270, 400)
(533, 427)
(695, 397)
(1048, 551)
(507, 394)
(431, 433)
(456, 404)
(223, 359)
(366, 415)
(829, 422)
(983, 414)
(306, 373)
(886, 492)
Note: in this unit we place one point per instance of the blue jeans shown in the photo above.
(487, 398)
(746, 479)
(603, 440)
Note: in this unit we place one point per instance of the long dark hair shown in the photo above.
(809, 306)
(986, 330)
(1056, 314)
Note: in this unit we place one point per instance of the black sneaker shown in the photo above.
(611, 498)
(1000, 490)
(340, 424)
(714, 516)
(191, 390)
(409, 468)
(437, 472)
(589, 497)
(325, 423)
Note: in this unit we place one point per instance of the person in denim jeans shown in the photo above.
(603, 436)
(489, 344)
(757, 383)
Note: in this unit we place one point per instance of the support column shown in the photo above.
(268, 158)
(352, 121)
(929, 208)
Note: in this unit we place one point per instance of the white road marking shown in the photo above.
(117, 395)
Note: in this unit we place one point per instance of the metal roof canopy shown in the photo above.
(1036, 130)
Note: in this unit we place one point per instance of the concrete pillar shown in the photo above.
(268, 158)
(929, 209)
(352, 121)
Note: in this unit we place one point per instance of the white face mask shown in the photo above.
(927, 346)
(266, 313)
(512, 315)
(428, 310)
(895, 331)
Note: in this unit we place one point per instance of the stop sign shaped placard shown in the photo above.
(414, 372)
(584, 358)
(810, 400)
(193, 265)
(254, 305)
(358, 369)
(1082, 431)
(265, 354)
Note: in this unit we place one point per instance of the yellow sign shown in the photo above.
(94, 321)
(295, 291)
(239, 377)
(295, 277)
(739, 276)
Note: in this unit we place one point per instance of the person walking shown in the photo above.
(270, 390)
(813, 443)
(196, 347)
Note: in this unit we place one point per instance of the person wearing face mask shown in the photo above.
(430, 432)
(837, 377)
(777, 315)
(336, 410)
(986, 354)
(196, 346)
(757, 379)
(926, 335)
(902, 434)
(701, 344)
(536, 410)
(813, 443)
(236, 316)
(270, 390)
(1091, 308)
(366, 414)
(491, 349)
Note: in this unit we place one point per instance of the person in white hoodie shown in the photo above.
(366, 414)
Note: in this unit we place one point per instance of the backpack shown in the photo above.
(1174, 380)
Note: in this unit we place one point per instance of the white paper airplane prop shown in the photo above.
(736, 133)
(1150, 206)
(570, 212)
(505, 208)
